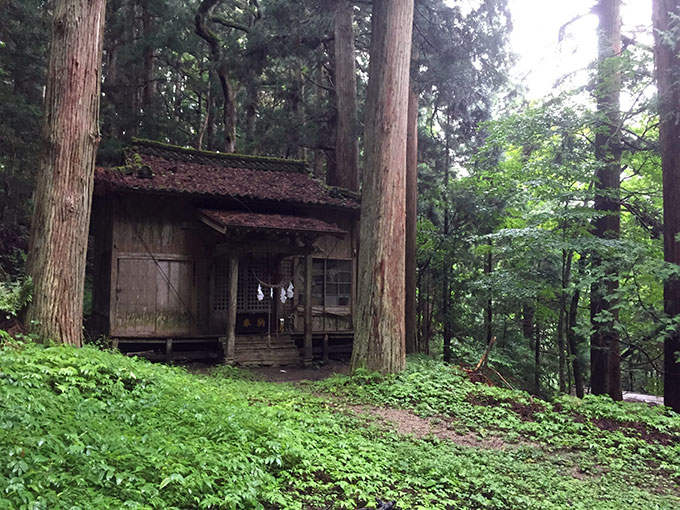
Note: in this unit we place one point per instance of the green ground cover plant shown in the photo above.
(89, 429)
(596, 424)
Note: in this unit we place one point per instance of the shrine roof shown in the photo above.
(154, 167)
(223, 220)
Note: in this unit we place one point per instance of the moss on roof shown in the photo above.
(226, 159)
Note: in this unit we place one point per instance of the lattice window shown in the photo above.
(221, 286)
(248, 274)
(331, 282)
(286, 309)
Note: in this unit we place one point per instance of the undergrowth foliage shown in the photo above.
(87, 429)
(430, 388)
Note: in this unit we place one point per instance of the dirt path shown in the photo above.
(407, 423)
(403, 421)
(295, 374)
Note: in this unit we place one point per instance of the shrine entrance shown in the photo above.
(264, 295)
(253, 296)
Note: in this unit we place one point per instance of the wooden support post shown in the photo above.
(168, 350)
(325, 347)
(230, 344)
(115, 343)
(308, 310)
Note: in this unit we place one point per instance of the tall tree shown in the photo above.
(70, 136)
(411, 212)
(345, 172)
(203, 15)
(666, 14)
(379, 339)
(605, 349)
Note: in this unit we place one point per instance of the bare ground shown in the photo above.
(295, 374)
(405, 422)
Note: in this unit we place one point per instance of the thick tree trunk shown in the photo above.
(210, 123)
(205, 123)
(345, 173)
(70, 136)
(205, 9)
(229, 112)
(605, 349)
(379, 341)
(411, 216)
(667, 58)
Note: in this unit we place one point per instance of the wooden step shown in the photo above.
(239, 348)
(267, 358)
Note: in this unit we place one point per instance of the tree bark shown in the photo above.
(63, 197)
(149, 90)
(205, 9)
(528, 313)
(605, 349)
(425, 299)
(666, 14)
(345, 172)
(251, 114)
(205, 124)
(379, 341)
(574, 343)
(411, 215)
(446, 310)
(488, 269)
(562, 320)
(446, 273)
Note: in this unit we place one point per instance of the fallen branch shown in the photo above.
(485, 356)
(502, 378)
(484, 363)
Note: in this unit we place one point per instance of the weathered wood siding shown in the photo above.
(102, 226)
(155, 266)
(160, 268)
(330, 318)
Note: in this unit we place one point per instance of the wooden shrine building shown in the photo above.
(246, 256)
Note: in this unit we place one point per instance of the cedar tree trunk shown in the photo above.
(345, 173)
(379, 340)
(63, 197)
(667, 58)
(446, 273)
(411, 216)
(605, 350)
